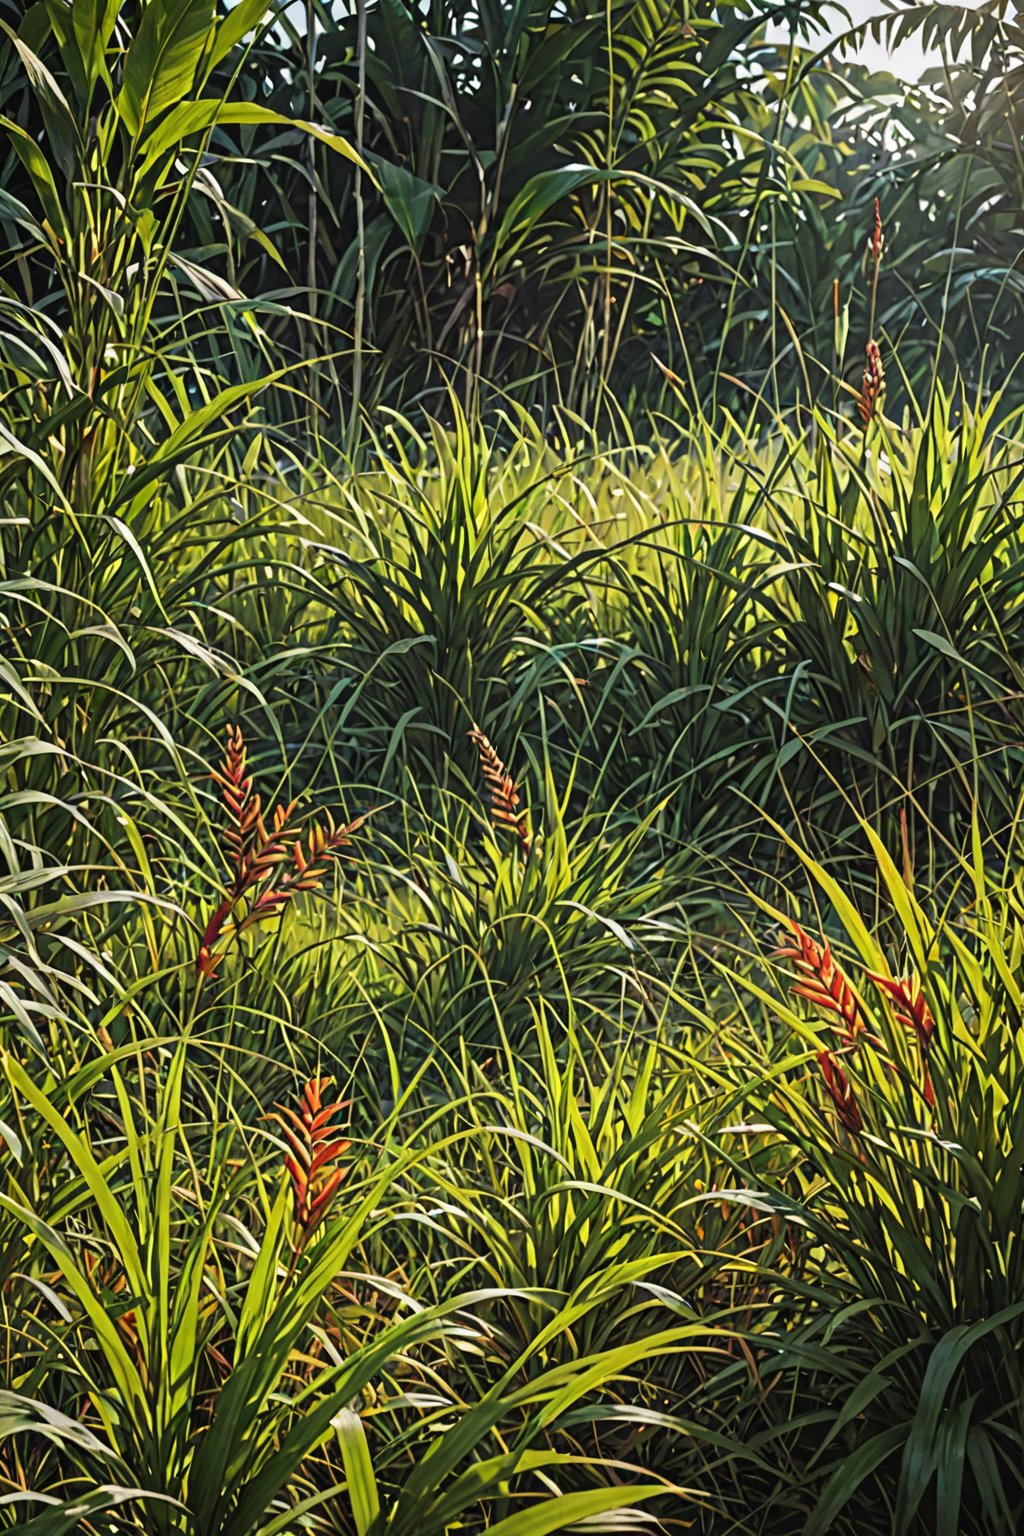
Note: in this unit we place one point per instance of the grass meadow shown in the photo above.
(511, 771)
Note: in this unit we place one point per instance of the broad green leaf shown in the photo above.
(93, 22)
(194, 117)
(566, 1509)
(359, 1477)
(533, 200)
(409, 200)
(163, 58)
(61, 129)
(35, 163)
(60, 1517)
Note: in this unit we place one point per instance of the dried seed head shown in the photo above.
(876, 245)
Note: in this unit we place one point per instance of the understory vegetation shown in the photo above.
(512, 746)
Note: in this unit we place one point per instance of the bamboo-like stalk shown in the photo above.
(608, 196)
(312, 211)
(359, 323)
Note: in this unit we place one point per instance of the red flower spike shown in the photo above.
(840, 1092)
(822, 982)
(312, 1165)
(872, 385)
(911, 1010)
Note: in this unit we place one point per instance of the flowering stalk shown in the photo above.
(876, 246)
(504, 791)
(312, 1164)
(822, 982)
(872, 384)
(270, 867)
(873, 381)
(911, 1010)
(841, 1092)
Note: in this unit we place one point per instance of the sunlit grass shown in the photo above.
(597, 1093)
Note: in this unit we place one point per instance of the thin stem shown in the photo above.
(606, 337)
(312, 210)
(360, 309)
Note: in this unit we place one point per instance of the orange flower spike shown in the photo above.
(324, 1197)
(242, 806)
(911, 1010)
(269, 871)
(823, 983)
(504, 791)
(207, 959)
(312, 1164)
(841, 1092)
